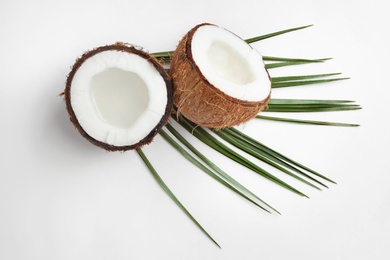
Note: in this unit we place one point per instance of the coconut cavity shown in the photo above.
(219, 80)
(228, 64)
(118, 97)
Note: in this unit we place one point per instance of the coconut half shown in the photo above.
(118, 97)
(219, 80)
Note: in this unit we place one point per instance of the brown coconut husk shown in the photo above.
(119, 46)
(200, 101)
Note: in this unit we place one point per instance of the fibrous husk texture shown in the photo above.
(201, 102)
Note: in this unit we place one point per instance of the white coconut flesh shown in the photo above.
(230, 64)
(118, 97)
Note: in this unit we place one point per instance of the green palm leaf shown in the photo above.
(272, 152)
(309, 105)
(270, 35)
(288, 63)
(171, 195)
(302, 82)
(225, 140)
(301, 121)
(303, 77)
(239, 187)
(207, 138)
(258, 152)
(273, 58)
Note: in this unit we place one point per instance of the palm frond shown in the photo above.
(232, 143)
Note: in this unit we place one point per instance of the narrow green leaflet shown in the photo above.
(230, 141)
(261, 151)
(298, 109)
(287, 63)
(278, 62)
(267, 149)
(163, 54)
(240, 188)
(303, 77)
(308, 105)
(166, 55)
(301, 121)
(241, 144)
(201, 166)
(273, 58)
(266, 36)
(303, 82)
(302, 105)
(284, 101)
(207, 138)
(171, 195)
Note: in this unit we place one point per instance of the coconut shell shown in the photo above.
(200, 101)
(119, 46)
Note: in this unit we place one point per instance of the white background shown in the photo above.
(63, 198)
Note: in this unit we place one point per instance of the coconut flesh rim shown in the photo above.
(230, 64)
(118, 97)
